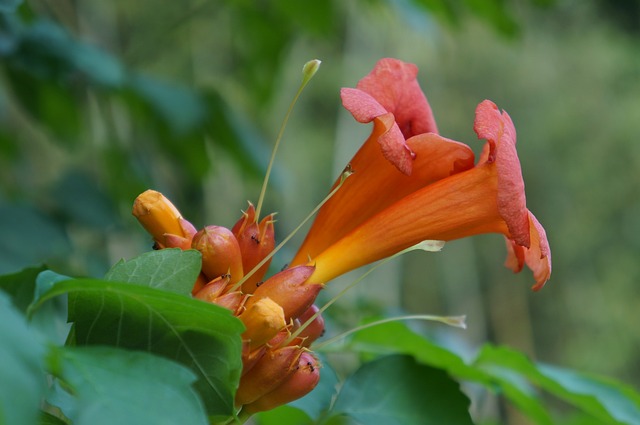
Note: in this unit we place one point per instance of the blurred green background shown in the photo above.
(102, 100)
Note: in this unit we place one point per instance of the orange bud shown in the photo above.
(200, 283)
(314, 329)
(256, 242)
(272, 369)
(263, 320)
(298, 384)
(213, 289)
(220, 252)
(159, 217)
(250, 358)
(182, 242)
(288, 289)
(233, 301)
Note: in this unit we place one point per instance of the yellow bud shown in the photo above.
(159, 216)
(263, 320)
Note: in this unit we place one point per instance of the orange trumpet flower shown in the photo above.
(410, 184)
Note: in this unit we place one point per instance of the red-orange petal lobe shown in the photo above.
(362, 105)
(500, 133)
(393, 84)
(538, 255)
(365, 109)
(376, 184)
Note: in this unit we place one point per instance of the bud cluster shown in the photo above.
(276, 368)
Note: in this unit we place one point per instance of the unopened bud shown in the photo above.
(309, 70)
(256, 242)
(298, 384)
(200, 283)
(288, 288)
(159, 217)
(220, 252)
(263, 320)
(273, 368)
(314, 329)
(213, 289)
(182, 242)
(233, 301)
(251, 358)
(284, 336)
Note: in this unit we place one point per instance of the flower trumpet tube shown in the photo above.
(488, 198)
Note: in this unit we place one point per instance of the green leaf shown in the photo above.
(20, 286)
(49, 419)
(49, 52)
(622, 402)
(21, 367)
(405, 341)
(284, 415)
(170, 269)
(116, 386)
(81, 198)
(24, 233)
(202, 336)
(398, 390)
(180, 107)
(9, 5)
(608, 401)
(378, 340)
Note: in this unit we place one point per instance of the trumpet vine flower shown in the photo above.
(409, 184)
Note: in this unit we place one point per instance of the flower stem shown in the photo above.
(308, 71)
(243, 416)
(456, 321)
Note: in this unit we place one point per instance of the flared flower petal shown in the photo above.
(391, 97)
(500, 133)
(537, 257)
(394, 85)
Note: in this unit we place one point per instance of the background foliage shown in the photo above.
(101, 100)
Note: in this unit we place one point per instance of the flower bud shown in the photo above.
(283, 336)
(233, 301)
(298, 384)
(273, 368)
(288, 288)
(263, 320)
(213, 289)
(159, 217)
(251, 358)
(200, 283)
(220, 252)
(314, 330)
(256, 242)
